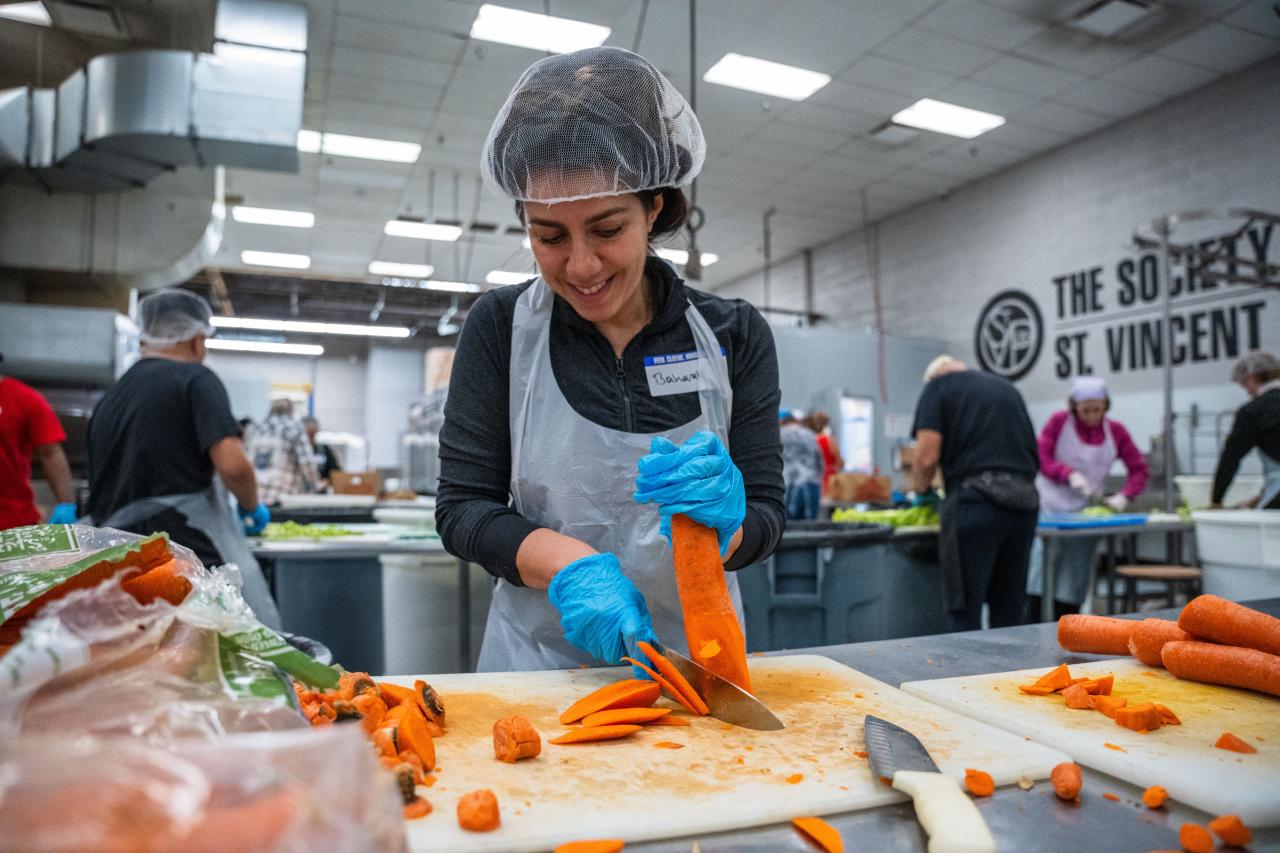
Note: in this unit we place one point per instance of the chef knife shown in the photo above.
(948, 816)
(728, 702)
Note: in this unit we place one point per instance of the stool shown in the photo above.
(1171, 576)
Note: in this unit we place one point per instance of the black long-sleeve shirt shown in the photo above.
(473, 512)
(1257, 425)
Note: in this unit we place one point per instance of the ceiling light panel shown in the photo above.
(941, 117)
(256, 258)
(272, 216)
(538, 32)
(508, 277)
(1110, 17)
(309, 328)
(680, 257)
(421, 230)
(28, 13)
(391, 268)
(453, 286)
(768, 78)
(264, 346)
(361, 147)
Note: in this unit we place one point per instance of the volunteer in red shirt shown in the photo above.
(28, 427)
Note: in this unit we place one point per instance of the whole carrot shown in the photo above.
(1231, 624)
(1098, 635)
(1150, 635)
(1066, 781)
(1229, 665)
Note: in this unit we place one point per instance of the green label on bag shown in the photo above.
(271, 647)
(246, 675)
(37, 540)
(17, 589)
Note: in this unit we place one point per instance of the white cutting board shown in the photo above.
(1182, 758)
(724, 778)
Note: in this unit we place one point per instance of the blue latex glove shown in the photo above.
(254, 520)
(697, 479)
(63, 514)
(929, 498)
(601, 610)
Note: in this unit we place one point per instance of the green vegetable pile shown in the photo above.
(294, 530)
(919, 516)
(1097, 511)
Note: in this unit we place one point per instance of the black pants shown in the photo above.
(995, 548)
(175, 524)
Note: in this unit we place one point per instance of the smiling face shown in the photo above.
(591, 253)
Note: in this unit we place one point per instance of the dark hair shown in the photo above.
(672, 217)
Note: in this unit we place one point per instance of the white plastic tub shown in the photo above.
(1239, 551)
(1196, 489)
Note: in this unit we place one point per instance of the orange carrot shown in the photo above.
(1149, 637)
(668, 744)
(662, 684)
(385, 740)
(1036, 690)
(795, 778)
(1231, 624)
(478, 811)
(1155, 796)
(1231, 830)
(1143, 717)
(594, 733)
(1055, 679)
(710, 622)
(1116, 748)
(1099, 635)
(1110, 796)
(671, 674)
(670, 720)
(1232, 743)
(1194, 838)
(823, 833)
(1233, 666)
(514, 738)
(1077, 696)
(631, 693)
(1066, 781)
(614, 716)
(1167, 716)
(164, 581)
(371, 709)
(1108, 704)
(606, 845)
(412, 734)
(418, 808)
(979, 782)
(1100, 686)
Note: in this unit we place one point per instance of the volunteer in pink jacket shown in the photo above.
(1077, 448)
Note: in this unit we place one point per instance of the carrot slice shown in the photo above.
(418, 808)
(412, 734)
(630, 693)
(1035, 689)
(1076, 696)
(1155, 796)
(1231, 830)
(668, 744)
(1142, 717)
(1055, 679)
(1194, 838)
(588, 734)
(826, 835)
(1234, 744)
(673, 675)
(604, 845)
(1100, 686)
(710, 622)
(1167, 717)
(1108, 704)
(1110, 796)
(670, 720)
(979, 782)
(662, 684)
(615, 716)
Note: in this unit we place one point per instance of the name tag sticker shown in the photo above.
(676, 373)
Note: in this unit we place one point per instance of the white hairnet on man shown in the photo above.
(173, 316)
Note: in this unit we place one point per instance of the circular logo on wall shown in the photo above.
(1009, 334)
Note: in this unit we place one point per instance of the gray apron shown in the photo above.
(576, 477)
(209, 511)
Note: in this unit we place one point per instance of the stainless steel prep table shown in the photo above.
(1020, 820)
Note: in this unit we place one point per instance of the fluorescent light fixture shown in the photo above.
(391, 268)
(941, 117)
(271, 216)
(275, 259)
(309, 328)
(1110, 17)
(260, 55)
(309, 141)
(680, 257)
(768, 78)
(452, 286)
(363, 147)
(28, 13)
(539, 32)
(264, 346)
(421, 230)
(508, 277)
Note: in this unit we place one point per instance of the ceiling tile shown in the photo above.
(862, 98)
(785, 135)
(1076, 51)
(1068, 121)
(843, 122)
(1029, 139)
(371, 114)
(984, 96)
(389, 66)
(445, 15)
(376, 36)
(1041, 10)
(936, 52)
(409, 96)
(1032, 78)
(1256, 18)
(768, 158)
(981, 23)
(1221, 48)
(1161, 76)
(825, 37)
(891, 76)
(1109, 98)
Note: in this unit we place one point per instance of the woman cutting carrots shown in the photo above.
(594, 402)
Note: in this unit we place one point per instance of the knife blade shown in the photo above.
(951, 820)
(728, 702)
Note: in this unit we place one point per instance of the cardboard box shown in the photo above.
(852, 488)
(356, 482)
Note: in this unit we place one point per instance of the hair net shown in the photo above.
(596, 122)
(173, 316)
(1087, 388)
(1256, 363)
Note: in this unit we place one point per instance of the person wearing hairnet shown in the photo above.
(1257, 425)
(1077, 448)
(160, 434)
(590, 404)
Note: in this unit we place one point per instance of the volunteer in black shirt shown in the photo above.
(1257, 425)
(975, 425)
(605, 365)
(158, 436)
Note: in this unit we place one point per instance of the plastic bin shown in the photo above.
(822, 586)
(1196, 489)
(913, 599)
(1239, 552)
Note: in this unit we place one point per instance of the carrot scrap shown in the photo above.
(1077, 696)
(385, 740)
(412, 734)
(1108, 704)
(1194, 838)
(372, 710)
(709, 616)
(1155, 796)
(1140, 718)
(662, 684)
(630, 693)
(1231, 830)
(514, 738)
(979, 782)
(594, 733)
(418, 808)
(1055, 679)
(817, 829)
(1167, 716)
(478, 811)
(668, 744)
(614, 716)
(795, 778)
(353, 684)
(860, 753)
(1035, 689)
(604, 845)
(1116, 748)
(669, 720)
(1100, 686)
(672, 675)
(1230, 742)
(1110, 796)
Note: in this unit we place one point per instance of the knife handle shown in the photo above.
(948, 816)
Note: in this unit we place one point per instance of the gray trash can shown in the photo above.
(822, 586)
(913, 602)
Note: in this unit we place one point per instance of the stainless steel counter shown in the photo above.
(1020, 820)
